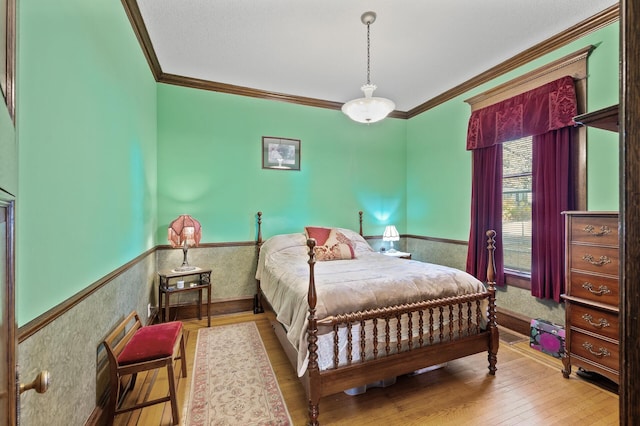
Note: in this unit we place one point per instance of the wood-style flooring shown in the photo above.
(528, 389)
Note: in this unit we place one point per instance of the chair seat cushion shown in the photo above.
(151, 342)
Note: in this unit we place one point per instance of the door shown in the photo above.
(8, 368)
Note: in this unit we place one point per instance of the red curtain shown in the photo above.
(552, 177)
(548, 107)
(540, 111)
(486, 211)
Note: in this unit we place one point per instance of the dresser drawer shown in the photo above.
(603, 260)
(595, 350)
(593, 320)
(595, 229)
(593, 287)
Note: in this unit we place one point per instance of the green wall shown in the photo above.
(86, 146)
(210, 166)
(107, 157)
(439, 167)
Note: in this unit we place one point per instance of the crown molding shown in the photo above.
(600, 20)
(596, 22)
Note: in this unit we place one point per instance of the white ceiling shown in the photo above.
(317, 49)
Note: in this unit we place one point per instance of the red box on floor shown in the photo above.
(547, 337)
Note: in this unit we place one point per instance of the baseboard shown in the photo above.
(514, 321)
(190, 311)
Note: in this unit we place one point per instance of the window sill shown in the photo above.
(517, 279)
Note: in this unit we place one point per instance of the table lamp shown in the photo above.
(184, 232)
(391, 234)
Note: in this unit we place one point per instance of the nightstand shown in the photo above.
(195, 280)
(400, 254)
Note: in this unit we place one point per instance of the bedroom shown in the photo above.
(92, 138)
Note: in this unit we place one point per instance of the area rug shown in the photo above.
(233, 382)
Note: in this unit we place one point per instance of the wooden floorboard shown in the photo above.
(528, 389)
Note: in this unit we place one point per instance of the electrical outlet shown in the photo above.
(149, 310)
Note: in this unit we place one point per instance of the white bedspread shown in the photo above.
(371, 280)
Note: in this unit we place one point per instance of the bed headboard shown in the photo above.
(259, 223)
(259, 236)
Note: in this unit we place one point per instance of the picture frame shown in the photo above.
(280, 153)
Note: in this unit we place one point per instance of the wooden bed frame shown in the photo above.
(437, 341)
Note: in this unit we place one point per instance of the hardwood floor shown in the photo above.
(528, 389)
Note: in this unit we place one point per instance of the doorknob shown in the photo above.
(40, 384)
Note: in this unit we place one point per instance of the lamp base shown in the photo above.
(185, 268)
(392, 250)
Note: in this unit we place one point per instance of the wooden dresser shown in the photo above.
(592, 293)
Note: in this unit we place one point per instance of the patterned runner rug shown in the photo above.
(233, 382)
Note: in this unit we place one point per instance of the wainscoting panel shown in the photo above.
(65, 341)
(233, 270)
(448, 253)
(68, 347)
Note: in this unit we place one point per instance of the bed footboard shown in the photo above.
(398, 339)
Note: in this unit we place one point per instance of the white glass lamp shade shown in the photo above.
(390, 234)
(368, 109)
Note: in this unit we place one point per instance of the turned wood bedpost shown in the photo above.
(257, 299)
(312, 339)
(360, 218)
(494, 340)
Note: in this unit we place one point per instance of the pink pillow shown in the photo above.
(335, 246)
(318, 233)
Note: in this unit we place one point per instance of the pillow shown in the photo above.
(331, 244)
(318, 233)
(357, 241)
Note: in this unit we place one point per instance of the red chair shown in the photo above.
(137, 348)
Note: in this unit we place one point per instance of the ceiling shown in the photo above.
(296, 49)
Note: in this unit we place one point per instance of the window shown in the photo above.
(516, 262)
(517, 197)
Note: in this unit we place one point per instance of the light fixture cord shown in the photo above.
(368, 54)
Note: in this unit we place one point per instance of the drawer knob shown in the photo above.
(602, 352)
(604, 230)
(602, 261)
(602, 323)
(603, 289)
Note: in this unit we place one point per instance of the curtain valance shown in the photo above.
(545, 108)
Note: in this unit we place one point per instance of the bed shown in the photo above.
(349, 317)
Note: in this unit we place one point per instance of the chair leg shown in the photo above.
(113, 401)
(183, 357)
(172, 394)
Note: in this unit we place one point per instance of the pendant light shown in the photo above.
(368, 109)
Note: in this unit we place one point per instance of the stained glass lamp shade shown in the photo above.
(184, 232)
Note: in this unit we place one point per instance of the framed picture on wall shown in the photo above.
(280, 153)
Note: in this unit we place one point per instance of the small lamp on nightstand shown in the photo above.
(184, 232)
(391, 234)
